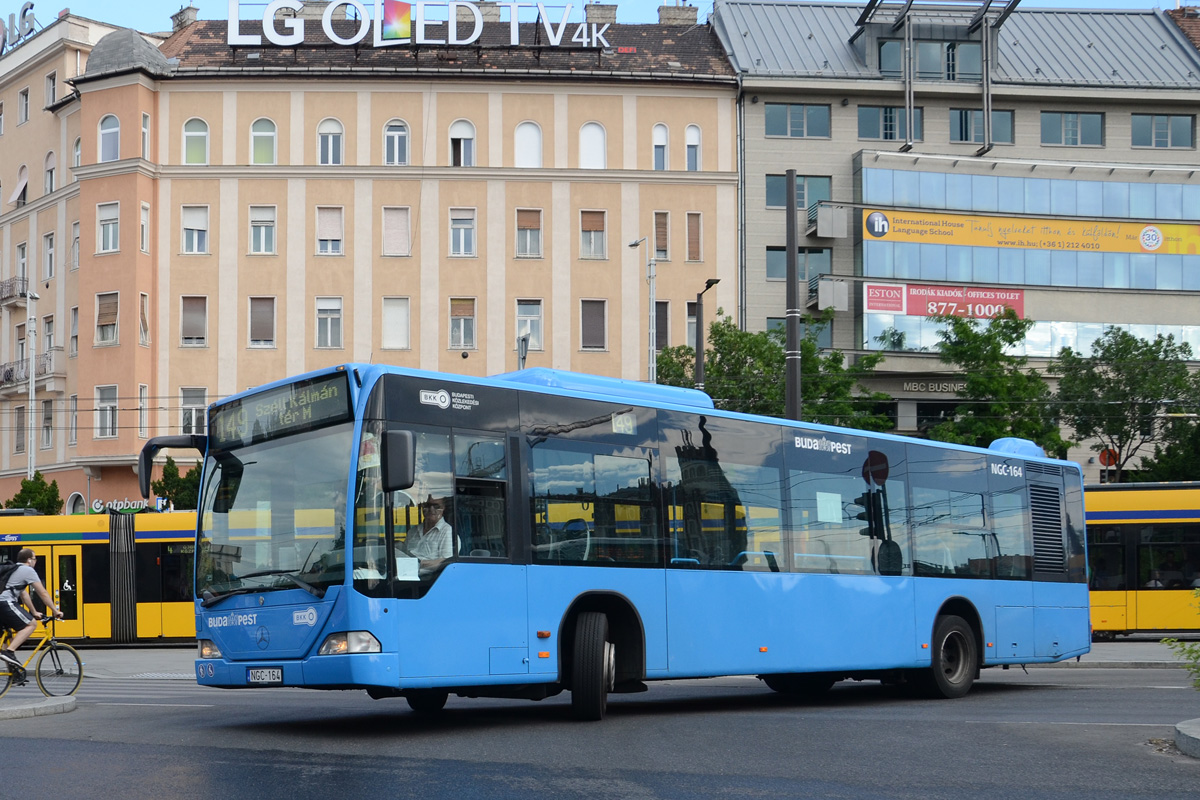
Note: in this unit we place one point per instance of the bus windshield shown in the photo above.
(272, 515)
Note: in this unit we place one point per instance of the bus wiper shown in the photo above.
(287, 573)
(211, 599)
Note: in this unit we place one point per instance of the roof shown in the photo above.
(661, 52)
(1142, 48)
(1188, 20)
(124, 50)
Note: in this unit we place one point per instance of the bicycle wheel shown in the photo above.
(6, 679)
(59, 670)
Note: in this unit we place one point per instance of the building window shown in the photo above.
(462, 144)
(660, 147)
(662, 324)
(329, 322)
(108, 216)
(966, 125)
(47, 256)
(945, 61)
(146, 136)
(73, 419)
(395, 143)
(262, 230)
(74, 245)
(810, 189)
(73, 345)
(106, 412)
(195, 229)
(692, 136)
(662, 235)
(144, 319)
(107, 306)
(593, 149)
(195, 141)
(20, 348)
(51, 162)
(1, 119)
(52, 88)
(592, 242)
(1072, 129)
(462, 323)
(527, 145)
(810, 262)
(529, 321)
(529, 233)
(691, 323)
(329, 230)
(397, 239)
(693, 236)
(47, 424)
(262, 142)
(23, 106)
(19, 434)
(21, 260)
(262, 321)
(592, 324)
(1162, 130)
(144, 229)
(143, 410)
(193, 321)
(329, 142)
(797, 121)
(110, 138)
(395, 323)
(462, 231)
(47, 334)
(76, 155)
(21, 193)
(192, 403)
(888, 123)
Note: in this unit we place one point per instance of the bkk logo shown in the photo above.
(306, 617)
(440, 398)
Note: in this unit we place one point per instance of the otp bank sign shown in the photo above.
(393, 22)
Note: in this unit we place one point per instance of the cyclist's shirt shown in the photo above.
(21, 577)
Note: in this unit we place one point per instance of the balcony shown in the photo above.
(50, 369)
(12, 291)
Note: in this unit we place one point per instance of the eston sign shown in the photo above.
(393, 22)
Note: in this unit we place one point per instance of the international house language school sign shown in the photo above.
(397, 23)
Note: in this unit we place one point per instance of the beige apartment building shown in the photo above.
(228, 211)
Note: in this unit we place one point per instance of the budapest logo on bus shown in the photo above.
(435, 397)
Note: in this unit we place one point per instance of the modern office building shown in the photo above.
(221, 206)
(971, 156)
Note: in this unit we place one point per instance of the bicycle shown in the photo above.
(59, 669)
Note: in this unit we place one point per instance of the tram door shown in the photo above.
(58, 567)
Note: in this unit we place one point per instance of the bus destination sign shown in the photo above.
(294, 408)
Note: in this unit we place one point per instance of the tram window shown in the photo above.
(1106, 557)
(950, 534)
(177, 566)
(724, 497)
(147, 575)
(1163, 553)
(95, 577)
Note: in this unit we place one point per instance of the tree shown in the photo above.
(36, 494)
(183, 493)
(1122, 394)
(1002, 396)
(1176, 459)
(744, 372)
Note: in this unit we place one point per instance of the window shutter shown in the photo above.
(592, 324)
(693, 237)
(592, 220)
(106, 310)
(395, 232)
(660, 231)
(531, 219)
(262, 213)
(329, 222)
(192, 325)
(395, 322)
(107, 212)
(460, 307)
(262, 319)
(660, 325)
(195, 217)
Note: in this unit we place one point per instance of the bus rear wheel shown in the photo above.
(426, 701)
(955, 659)
(594, 667)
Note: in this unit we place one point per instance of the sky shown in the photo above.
(155, 15)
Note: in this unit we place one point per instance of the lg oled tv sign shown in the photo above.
(391, 22)
(18, 27)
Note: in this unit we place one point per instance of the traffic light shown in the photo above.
(872, 513)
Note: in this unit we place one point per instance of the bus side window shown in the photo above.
(480, 509)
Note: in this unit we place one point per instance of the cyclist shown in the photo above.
(16, 594)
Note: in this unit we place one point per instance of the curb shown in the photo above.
(38, 708)
(1187, 737)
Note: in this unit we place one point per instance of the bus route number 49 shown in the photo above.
(264, 675)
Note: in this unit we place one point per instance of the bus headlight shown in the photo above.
(349, 642)
(205, 648)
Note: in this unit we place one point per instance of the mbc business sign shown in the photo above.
(393, 22)
(19, 26)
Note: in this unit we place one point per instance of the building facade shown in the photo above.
(1076, 203)
(246, 210)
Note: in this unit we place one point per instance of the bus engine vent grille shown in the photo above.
(1049, 554)
(1043, 469)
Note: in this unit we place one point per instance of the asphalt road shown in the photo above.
(1052, 733)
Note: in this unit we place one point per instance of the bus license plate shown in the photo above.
(264, 675)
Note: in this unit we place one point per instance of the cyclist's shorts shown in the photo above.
(13, 615)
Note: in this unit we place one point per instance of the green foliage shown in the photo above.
(1188, 651)
(1122, 393)
(36, 494)
(1002, 396)
(1177, 458)
(182, 492)
(744, 371)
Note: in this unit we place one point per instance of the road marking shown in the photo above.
(172, 705)
(1102, 724)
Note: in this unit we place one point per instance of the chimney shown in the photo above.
(489, 10)
(314, 9)
(600, 13)
(676, 15)
(183, 17)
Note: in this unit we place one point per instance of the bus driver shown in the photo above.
(432, 541)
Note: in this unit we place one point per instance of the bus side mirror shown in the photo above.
(399, 457)
(151, 448)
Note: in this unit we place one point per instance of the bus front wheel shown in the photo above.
(594, 668)
(426, 701)
(955, 659)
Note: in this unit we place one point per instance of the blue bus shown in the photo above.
(417, 535)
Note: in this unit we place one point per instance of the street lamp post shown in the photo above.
(708, 284)
(651, 370)
(31, 299)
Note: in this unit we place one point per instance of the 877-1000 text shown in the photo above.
(982, 310)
